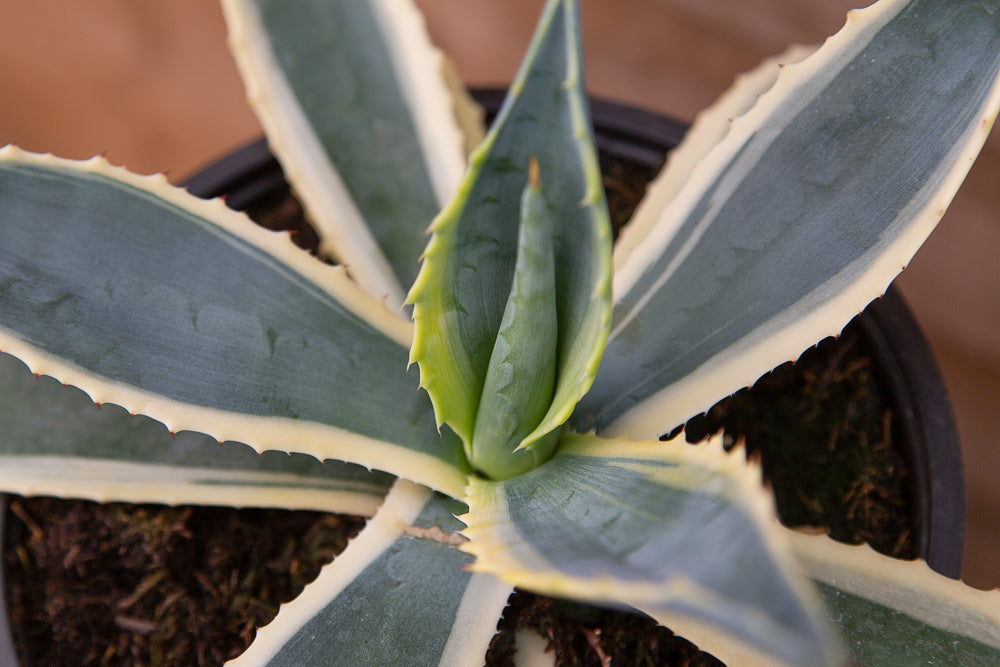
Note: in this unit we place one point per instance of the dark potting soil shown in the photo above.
(120, 584)
(116, 584)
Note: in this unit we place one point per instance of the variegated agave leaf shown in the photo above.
(360, 109)
(685, 534)
(708, 130)
(182, 310)
(901, 612)
(804, 212)
(461, 294)
(399, 595)
(56, 442)
(531, 176)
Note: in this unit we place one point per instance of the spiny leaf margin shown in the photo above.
(261, 432)
(452, 345)
(434, 108)
(896, 611)
(56, 442)
(653, 514)
(462, 609)
(655, 398)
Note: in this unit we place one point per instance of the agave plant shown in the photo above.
(548, 364)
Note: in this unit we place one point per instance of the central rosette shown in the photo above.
(512, 305)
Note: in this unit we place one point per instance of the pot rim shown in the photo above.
(929, 433)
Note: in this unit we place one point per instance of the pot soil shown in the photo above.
(856, 438)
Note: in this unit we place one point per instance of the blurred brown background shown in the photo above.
(151, 86)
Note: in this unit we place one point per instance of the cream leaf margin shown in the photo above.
(262, 433)
(787, 335)
(421, 69)
(177, 485)
(400, 509)
(489, 541)
(402, 506)
(912, 587)
(532, 650)
(709, 128)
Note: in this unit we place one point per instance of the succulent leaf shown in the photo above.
(710, 127)
(400, 578)
(804, 213)
(357, 105)
(685, 534)
(462, 289)
(901, 612)
(183, 310)
(765, 234)
(56, 442)
(521, 375)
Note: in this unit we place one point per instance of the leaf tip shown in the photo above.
(534, 174)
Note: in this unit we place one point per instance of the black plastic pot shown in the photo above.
(929, 435)
(8, 656)
(250, 179)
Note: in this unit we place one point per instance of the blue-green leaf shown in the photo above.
(683, 533)
(804, 213)
(182, 310)
(521, 375)
(461, 292)
(399, 595)
(56, 442)
(894, 612)
(356, 104)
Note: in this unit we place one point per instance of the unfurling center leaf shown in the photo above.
(521, 376)
(506, 343)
